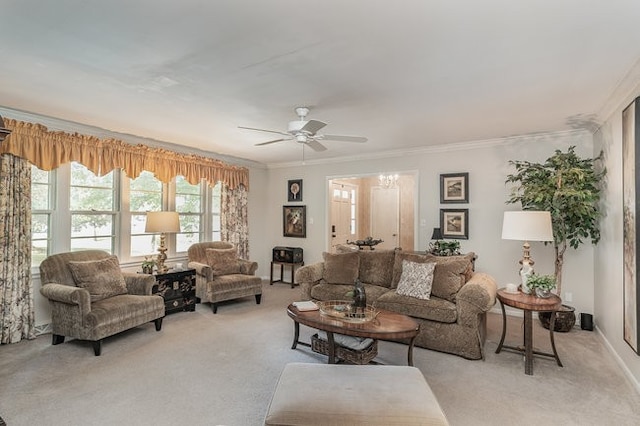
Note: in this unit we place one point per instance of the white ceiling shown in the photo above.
(405, 73)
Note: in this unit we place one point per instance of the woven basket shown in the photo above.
(352, 356)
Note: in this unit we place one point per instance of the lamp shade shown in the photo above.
(437, 235)
(527, 225)
(162, 222)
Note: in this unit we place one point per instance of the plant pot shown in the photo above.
(545, 294)
(565, 319)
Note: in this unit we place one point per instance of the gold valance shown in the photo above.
(49, 149)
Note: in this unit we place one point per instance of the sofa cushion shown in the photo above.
(324, 291)
(341, 268)
(223, 261)
(434, 309)
(448, 278)
(469, 257)
(376, 267)
(416, 279)
(101, 278)
(412, 257)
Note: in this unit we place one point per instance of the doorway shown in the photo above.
(369, 206)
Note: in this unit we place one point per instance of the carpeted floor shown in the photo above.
(205, 369)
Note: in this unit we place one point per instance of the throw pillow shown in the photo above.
(102, 278)
(341, 268)
(223, 261)
(401, 256)
(448, 278)
(416, 279)
(376, 267)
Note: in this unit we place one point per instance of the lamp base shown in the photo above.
(162, 257)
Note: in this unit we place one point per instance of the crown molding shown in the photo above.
(431, 149)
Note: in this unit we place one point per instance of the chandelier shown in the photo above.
(388, 181)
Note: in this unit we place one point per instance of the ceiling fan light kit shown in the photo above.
(305, 132)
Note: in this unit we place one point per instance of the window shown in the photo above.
(215, 212)
(189, 206)
(145, 194)
(73, 209)
(41, 211)
(93, 209)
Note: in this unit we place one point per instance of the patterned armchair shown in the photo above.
(221, 275)
(91, 298)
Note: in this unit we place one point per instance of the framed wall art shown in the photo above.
(454, 188)
(294, 190)
(294, 221)
(630, 186)
(454, 223)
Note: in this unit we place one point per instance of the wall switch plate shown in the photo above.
(568, 297)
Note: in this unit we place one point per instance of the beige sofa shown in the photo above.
(453, 320)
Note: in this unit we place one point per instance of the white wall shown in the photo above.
(608, 292)
(487, 164)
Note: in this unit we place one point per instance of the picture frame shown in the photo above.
(454, 188)
(294, 221)
(631, 237)
(294, 190)
(454, 223)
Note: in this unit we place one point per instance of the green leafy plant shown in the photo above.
(444, 248)
(568, 187)
(542, 282)
(148, 264)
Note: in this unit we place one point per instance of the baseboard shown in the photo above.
(619, 361)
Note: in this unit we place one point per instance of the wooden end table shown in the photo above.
(387, 325)
(529, 303)
(293, 266)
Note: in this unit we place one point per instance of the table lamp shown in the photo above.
(527, 226)
(162, 222)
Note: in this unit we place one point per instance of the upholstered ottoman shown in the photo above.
(330, 394)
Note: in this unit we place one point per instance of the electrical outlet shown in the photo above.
(568, 297)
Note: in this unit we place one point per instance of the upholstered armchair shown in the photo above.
(221, 274)
(91, 298)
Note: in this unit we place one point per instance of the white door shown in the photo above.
(341, 213)
(385, 214)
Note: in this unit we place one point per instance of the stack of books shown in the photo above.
(306, 305)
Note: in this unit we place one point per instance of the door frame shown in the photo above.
(416, 202)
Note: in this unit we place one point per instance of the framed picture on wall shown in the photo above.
(630, 197)
(454, 223)
(294, 221)
(294, 190)
(454, 188)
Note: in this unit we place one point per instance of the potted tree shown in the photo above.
(568, 187)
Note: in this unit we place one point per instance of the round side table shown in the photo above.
(528, 304)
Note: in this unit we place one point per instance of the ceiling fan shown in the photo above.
(305, 132)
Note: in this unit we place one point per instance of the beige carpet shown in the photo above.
(205, 369)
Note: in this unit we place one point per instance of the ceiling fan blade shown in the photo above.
(359, 139)
(312, 126)
(273, 141)
(316, 146)
(264, 130)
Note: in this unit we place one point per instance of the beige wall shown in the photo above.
(608, 287)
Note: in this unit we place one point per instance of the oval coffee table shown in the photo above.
(387, 325)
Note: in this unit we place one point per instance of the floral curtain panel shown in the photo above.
(17, 317)
(234, 220)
